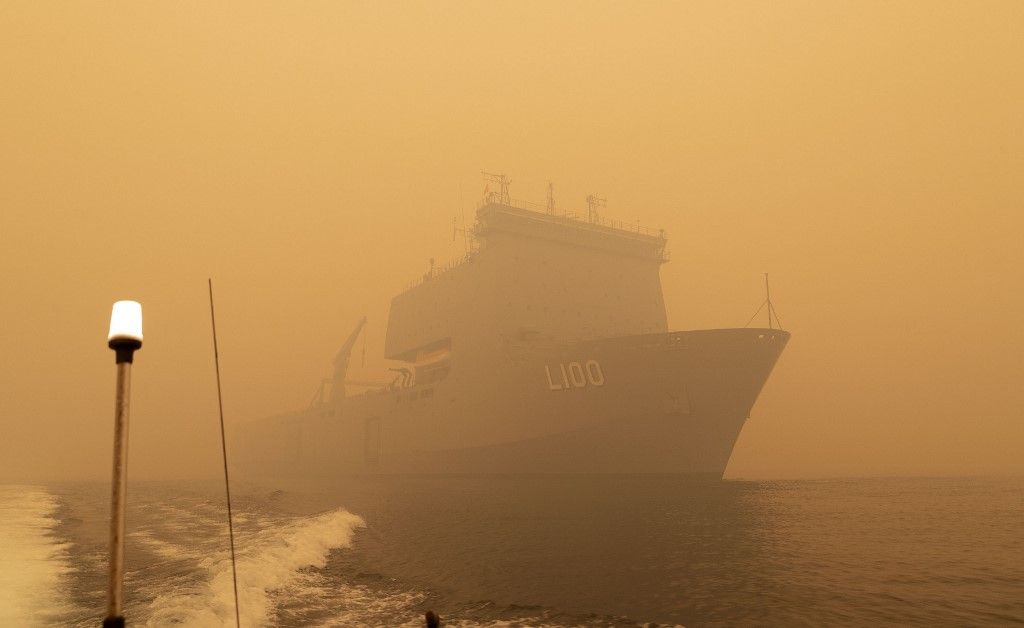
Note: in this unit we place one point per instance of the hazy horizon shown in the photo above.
(310, 159)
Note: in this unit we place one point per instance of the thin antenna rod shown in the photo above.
(768, 300)
(224, 452)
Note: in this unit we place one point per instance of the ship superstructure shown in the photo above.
(545, 349)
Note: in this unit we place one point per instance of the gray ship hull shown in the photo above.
(671, 402)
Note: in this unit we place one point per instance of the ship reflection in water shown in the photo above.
(546, 349)
(556, 550)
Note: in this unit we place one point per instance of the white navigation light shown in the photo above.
(126, 322)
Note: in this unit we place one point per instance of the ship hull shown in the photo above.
(670, 402)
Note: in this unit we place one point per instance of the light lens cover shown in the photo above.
(126, 321)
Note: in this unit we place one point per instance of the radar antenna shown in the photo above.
(502, 182)
(551, 198)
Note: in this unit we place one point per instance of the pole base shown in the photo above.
(113, 622)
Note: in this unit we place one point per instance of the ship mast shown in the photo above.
(773, 316)
(502, 182)
(593, 202)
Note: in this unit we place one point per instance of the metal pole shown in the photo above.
(125, 338)
(118, 496)
(224, 451)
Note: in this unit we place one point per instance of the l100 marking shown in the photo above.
(575, 375)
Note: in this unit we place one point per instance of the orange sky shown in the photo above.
(310, 156)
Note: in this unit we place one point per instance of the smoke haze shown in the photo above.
(310, 158)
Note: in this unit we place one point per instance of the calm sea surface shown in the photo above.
(527, 550)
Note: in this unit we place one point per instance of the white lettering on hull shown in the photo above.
(576, 370)
(551, 384)
(595, 375)
(576, 375)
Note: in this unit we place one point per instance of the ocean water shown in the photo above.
(526, 550)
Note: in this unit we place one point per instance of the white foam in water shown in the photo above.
(267, 561)
(163, 548)
(33, 562)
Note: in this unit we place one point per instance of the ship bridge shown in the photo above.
(536, 275)
(518, 219)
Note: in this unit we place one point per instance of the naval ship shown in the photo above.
(546, 349)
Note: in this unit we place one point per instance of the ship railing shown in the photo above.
(592, 218)
(438, 270)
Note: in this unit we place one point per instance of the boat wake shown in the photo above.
(270, 559)
(34, 563)
(293, 570)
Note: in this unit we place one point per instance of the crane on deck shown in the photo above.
(341, 361)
